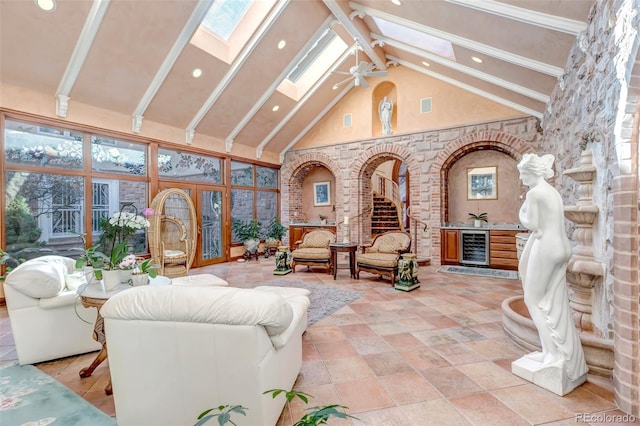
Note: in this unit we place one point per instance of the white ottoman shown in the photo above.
(200, 279)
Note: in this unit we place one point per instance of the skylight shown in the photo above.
(318, 47)
(320, 57)
(415, 38)
(224, 15)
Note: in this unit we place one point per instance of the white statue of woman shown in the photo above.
(542, 268)
(385, 110)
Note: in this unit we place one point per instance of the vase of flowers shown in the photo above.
(110, 257)
(119, 230)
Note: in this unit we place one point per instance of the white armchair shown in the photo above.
(47, 319)
(175, 351)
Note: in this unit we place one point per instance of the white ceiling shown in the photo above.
(135, 57)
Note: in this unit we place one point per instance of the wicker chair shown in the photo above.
(174, 248)
(313, 249)
(382, 256)
(173, 232)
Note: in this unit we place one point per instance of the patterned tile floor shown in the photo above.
(434, 356)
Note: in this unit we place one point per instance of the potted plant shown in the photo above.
(478, 218)
(248, 233)
(143, 271)
(323, 219)
(275, 232)
(315, 415)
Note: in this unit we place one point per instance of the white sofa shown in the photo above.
(47, 319)
(176, 351)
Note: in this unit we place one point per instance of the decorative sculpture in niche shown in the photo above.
(385, 111)
(561, 366)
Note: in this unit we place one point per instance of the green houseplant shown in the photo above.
(315, 415)
(275, 231)
(478, 218)
(248, 233)
(146, 267)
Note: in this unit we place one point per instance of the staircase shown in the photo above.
(384, 216)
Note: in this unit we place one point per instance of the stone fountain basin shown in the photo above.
(519, 327)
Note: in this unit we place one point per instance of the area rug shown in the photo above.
(482, 272)
(325, 300)
(28, 397)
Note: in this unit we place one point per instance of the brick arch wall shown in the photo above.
(292, 177)
(486, 140)
(626, 246)
(360, 183)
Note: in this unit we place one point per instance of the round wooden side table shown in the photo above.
(93, 295)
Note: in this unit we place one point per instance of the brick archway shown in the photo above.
(439, 174)
(360, 186)
(293, 175)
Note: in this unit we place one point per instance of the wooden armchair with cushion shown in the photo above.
(313, 249)
(382, 256)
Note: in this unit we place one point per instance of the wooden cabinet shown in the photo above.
(502, 249)
(450, 247)
(296, 232)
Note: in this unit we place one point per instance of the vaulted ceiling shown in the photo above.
(136, 57)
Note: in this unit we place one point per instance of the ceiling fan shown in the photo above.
(359, 71)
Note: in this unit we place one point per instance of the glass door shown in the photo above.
(210, 212)
(208, 200)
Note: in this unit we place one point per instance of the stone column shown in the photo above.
(585, 271)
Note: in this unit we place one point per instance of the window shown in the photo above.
(416, 38)
(56, 195)
(317, 61)
(254, 193)
(41, 209)
(45, 188)
(114, 156)
(28, 144)
(179, 165)
(224, 16)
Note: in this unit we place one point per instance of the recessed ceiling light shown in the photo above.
(282, 44)
(426, 64)
(396, 2)
(46, 5)
(476, 59)
(275, 108)
(335, 86)
(196, 73)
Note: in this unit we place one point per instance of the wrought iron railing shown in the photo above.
(413, 223)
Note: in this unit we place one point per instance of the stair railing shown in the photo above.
(415, 221)
(390, 190)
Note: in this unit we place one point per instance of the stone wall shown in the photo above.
(428, 155)
(595, 106)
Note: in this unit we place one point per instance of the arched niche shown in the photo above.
(388, 89)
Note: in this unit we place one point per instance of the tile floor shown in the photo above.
(434, 356)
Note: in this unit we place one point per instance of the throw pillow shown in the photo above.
(38, 279)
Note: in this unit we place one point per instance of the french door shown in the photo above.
(210, 211)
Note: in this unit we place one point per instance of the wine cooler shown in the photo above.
(474, 247)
